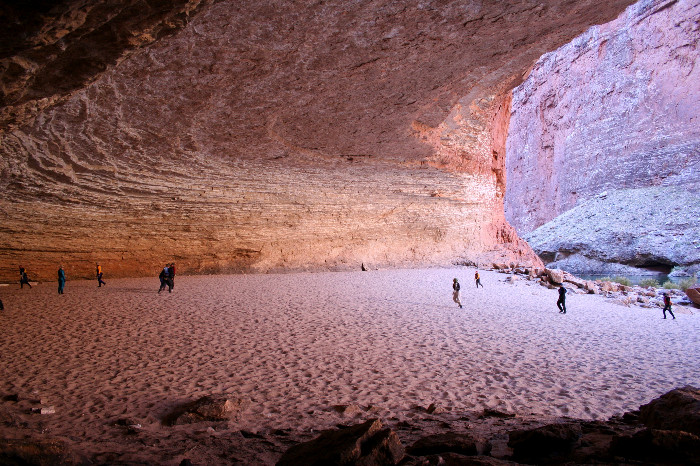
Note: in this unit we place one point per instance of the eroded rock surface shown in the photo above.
(272, 135)
(207, 408)
(367, 443)
(614, 112)
(678, 409)
(620, 231)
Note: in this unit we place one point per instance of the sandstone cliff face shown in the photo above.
(274, 135)
(615, 110)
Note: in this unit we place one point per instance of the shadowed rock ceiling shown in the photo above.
(264, 135)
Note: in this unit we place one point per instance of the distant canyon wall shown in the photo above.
(262, 136)
(609, 126)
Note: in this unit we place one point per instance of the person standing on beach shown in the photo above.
(455, 292)
(667, 306)
(561, 302)
(477, 279)
(61, 280)
(23, 279)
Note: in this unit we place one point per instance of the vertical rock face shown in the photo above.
(271, 135)
(614, 113)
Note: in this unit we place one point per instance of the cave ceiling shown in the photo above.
(340, 78)
(242, 126)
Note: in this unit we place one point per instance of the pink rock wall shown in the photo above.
(617, 108)
(278, 135)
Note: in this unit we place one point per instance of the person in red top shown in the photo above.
(667, 306)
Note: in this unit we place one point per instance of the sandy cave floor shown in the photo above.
(298, 344)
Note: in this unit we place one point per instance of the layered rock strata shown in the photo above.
(268, 135)
(607, 126)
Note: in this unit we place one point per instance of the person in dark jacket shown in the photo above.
(667, 306)
(61, 280)
(455, 292)
(23, 278)
(171, 277)
(163, 278)
(561, 302)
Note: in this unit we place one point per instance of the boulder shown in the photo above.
(35, 451)
(207, 408)
(609, 287)
(435, 409)
(574, 280)
(544, 442)
(664, 446)
(591, 287)
(347, 410)
(693, 295)
(678, 409)
(555, 275)
(367, 444)
(463, 444)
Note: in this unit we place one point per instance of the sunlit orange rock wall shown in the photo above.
(269, 135)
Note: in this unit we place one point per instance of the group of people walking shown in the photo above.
(167, 277)
(561, 302)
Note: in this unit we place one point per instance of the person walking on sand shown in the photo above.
(561, 302)
(100, 282)
(163, 278)
(667, 306)
(171, 277)
(23, 279)
(455, 292)
(61, 279)
(477, 279)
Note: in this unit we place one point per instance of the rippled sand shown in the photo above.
(298, 344)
